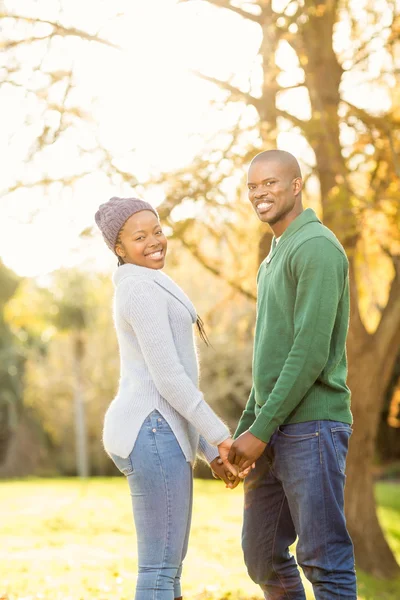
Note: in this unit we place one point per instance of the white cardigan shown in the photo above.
(154, 322)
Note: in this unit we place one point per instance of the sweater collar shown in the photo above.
(160, 278)
(307, 216)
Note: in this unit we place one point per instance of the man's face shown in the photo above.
(273, 190)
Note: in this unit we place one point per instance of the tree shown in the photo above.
(38, 72)
(11, 365)
(65, 312)
(71, 318)
(355, 162)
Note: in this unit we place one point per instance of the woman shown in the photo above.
(152, 427)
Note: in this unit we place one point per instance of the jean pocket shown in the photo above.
(299, 431)
(341, 436)
(123, 464)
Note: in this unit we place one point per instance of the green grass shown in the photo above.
(69, 540)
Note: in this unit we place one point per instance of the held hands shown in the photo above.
(219, 471)
(223, 450)
(244, 451)
(223, 469)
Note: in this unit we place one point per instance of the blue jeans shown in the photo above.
(297, 490)
(161, 485)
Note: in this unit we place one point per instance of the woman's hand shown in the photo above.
(223, 449)
(219, 471)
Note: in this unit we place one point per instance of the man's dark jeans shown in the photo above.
(297, 490)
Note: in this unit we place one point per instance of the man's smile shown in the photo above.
(263, 206)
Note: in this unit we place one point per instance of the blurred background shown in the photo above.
(170, 100)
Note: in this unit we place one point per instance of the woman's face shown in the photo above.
(141, 241)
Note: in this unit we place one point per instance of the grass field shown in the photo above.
(70, 540)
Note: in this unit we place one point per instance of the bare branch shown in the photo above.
(58, 29)
(235, 92)
(240, 11)
(296, 86)
(45, 181)
(295, 120)
(381, 122)
(194, 250)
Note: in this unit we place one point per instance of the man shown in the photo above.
(297, 421)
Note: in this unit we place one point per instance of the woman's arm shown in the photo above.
(207, 451)
(146, 310)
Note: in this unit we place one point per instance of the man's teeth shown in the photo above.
(264, 205)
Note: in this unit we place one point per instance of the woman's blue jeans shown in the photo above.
(161, 485)
(297, 490)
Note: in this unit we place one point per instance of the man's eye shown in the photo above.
(159, 232)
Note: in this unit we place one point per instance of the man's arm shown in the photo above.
(248, 415)
(320, 272)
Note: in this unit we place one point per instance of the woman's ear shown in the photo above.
(120, 251)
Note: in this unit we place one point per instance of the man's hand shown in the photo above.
(221, 472)
(223, 450)
(245, 450)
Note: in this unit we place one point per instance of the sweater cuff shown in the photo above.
(262, 431)
(224, 434)
(206, 451)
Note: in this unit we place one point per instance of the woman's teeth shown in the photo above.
(156, 255)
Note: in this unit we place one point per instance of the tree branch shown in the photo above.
(225, 85)
(295, 120)
(380, 122)
(44, 182)
(240, 11)
(216, 271)
(58, 29)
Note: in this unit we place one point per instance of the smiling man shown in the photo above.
(297, 421)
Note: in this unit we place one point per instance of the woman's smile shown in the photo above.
(156, 255)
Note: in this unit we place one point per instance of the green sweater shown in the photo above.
(299, 360)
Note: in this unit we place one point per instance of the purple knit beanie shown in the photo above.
(113, 214)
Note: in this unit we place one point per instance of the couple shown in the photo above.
(292, 439)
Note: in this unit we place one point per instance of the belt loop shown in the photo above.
(320, 441)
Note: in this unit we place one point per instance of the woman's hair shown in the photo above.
(118, 242)
(202, 331)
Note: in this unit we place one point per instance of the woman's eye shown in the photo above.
(139, 238)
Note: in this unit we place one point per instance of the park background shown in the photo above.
(170, 101)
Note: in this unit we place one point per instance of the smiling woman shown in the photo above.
(159, 419)
(141, 241)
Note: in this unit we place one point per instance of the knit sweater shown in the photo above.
(299, 360)
(159, 371)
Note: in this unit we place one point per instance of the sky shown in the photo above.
(143, 103)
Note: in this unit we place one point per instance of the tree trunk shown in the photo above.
(5, 430)
(365, 352)
(82, 461)
(371, 548)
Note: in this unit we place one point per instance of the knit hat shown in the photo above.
(111, 216)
